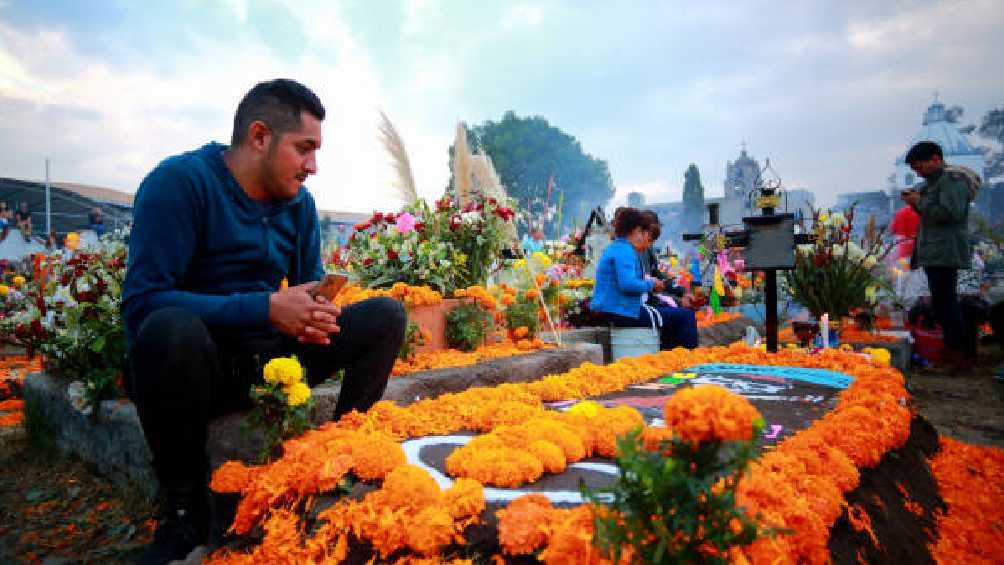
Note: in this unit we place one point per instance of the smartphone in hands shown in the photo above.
(330, 286)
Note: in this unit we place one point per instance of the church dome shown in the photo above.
(946, 134)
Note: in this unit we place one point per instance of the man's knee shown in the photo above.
(385, 314)
(171, 331)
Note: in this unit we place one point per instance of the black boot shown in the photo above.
(184, 525)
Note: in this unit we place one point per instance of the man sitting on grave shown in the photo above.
(216, 231)
(621, 286)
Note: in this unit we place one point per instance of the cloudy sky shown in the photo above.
(830, 91)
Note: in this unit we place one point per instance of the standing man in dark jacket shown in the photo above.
(943, 241)
(216, 231)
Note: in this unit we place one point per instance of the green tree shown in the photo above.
(992, 127)
(530, 154)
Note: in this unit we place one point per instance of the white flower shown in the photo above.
(854, 251)
(870, 261)
(837, 219)
(470, 217)
(838, 250)
(806, 249)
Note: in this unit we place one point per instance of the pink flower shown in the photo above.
(405, 222)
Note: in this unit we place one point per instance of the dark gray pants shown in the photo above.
(180, 374)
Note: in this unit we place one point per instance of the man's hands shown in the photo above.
(294, 312)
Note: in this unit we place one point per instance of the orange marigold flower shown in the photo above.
(465, 498)
(709, 413)
(231, 477)
(524, 524)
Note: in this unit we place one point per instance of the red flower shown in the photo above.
(443, 204)
(391, 254)
(367, 261)
(361, 226)
(505, 213)
(377, 218)
(455, 222)
(419, 226)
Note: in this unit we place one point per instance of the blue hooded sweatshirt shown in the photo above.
(200, 243)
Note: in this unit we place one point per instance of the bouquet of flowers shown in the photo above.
(836, 275)
(447, 247)
(282, 403)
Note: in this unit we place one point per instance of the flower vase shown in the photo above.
(431, 319)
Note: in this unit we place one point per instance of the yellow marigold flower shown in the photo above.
(297, 393)
(18, 281)
(283, 371)
(587, 408)
(880, 355)
(531, 294)
(4, 289)
(542, 258)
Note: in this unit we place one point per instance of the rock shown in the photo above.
(113, 441)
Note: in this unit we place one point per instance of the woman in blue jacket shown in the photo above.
(621, 287)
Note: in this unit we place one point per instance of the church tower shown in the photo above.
(939, 127)
(741, 177)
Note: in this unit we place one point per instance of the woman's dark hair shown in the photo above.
(278, 104)
(654, 228)
(627, 219)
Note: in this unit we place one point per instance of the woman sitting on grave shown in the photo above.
(622, 288)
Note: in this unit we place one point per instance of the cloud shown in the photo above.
(830, 92)
(522, 15)
(108, 126)
(654, 191)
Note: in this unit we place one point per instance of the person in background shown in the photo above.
(650, 262)
(621, 286)
(5, 220)
(23, 218)
(52, 241)
(993, 292)
(942, 241)
(96, 221)
(905, 224)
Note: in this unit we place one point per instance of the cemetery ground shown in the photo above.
(54, 509)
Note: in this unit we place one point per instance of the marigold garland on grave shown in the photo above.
(798, 485)
(971, 482)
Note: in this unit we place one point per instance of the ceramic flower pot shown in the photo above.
(432, 321)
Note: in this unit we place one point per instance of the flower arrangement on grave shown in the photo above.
(455, 243)
(837, 275)
(282, 403)
(71, 311)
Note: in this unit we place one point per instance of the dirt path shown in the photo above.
(968, 406)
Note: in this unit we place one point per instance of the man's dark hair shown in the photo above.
(923, 151)
(278, 104)
(628, 219)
